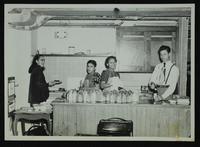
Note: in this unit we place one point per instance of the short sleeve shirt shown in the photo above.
(93, 79)
(106, 74)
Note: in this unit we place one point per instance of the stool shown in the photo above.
(31, 117)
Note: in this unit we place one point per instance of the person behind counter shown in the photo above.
(165, 75)
(92, 78)
(110, 79)
(38, 87)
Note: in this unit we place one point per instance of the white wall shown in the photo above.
(97, 40)
(17, 60)
(70, 70)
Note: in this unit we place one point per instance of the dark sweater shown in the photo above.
(38, 87)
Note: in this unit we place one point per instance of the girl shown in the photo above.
(92, 78)
(38, 88)
(110, 80)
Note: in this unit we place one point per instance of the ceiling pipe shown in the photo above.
(33, 22)
(40, 17)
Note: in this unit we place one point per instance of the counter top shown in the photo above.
(117, 104)
(56, 91)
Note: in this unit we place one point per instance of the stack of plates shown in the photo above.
(183, 101)
(173, 101)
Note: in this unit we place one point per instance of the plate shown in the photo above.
(57, 81)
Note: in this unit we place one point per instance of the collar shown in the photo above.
(42, 68)
(109, 69)
(91, 73)
(169, 62)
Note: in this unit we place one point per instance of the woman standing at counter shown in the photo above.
(110, 79)
(92, 78)
(38, 88)
(165, 75)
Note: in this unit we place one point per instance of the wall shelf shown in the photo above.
(134, 72)
(71, 55)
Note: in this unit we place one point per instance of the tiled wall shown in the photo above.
(70, 70)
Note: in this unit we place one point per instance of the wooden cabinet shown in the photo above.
(148, 120)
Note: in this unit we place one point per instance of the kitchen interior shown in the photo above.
(69, 36)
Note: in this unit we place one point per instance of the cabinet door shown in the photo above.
(64, 120)
(86, 119)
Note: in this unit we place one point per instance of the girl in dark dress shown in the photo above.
(38, 87)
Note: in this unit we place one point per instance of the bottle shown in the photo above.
(93, 96)
(85, 95)
(115, 94)
(123, 98)
(112, 97)
(80, 96)
(74, 96)
(119, 98)
(69, 96)
(88, 99)
(155, 97)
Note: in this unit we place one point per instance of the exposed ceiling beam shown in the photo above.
(39, 17)
(153, 13)
(127, 18)
(143, 12)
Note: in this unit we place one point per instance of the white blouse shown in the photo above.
(159, 79)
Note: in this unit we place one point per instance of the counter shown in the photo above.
(148, 119)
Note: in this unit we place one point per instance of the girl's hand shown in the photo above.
(109, 82)
(152, 85)
(105, 85)
(96, 77)
(121, 89)
(52, 83)
(160, 98)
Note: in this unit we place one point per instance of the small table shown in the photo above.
(31, 117)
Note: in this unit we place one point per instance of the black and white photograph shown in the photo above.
(105, 72)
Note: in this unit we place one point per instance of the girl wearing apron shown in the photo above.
(110, 79)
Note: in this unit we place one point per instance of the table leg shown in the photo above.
(49, 126)
(15, 133)
(12, 124)
(23, 127)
